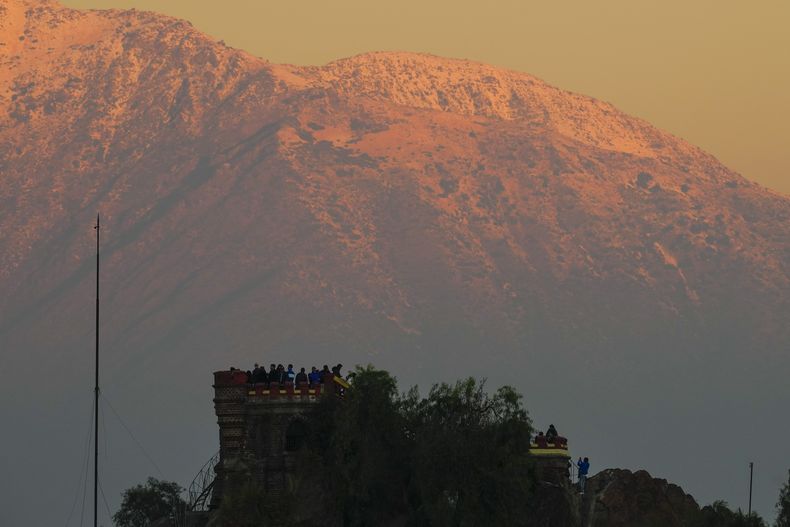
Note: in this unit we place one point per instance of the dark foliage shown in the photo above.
(718, 514)
(783, 505)
(143, 504)
(457, 457)
(362, 442)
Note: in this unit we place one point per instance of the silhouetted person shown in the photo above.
(584, 468)
(256, 374)
(301, 377)
(248, 373)
(273, 376)
(290, 374)
(326, 374)
(336, 371)
(314, 376)
(551, 434)
(541, 440)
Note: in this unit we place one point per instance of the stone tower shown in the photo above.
(261, 430)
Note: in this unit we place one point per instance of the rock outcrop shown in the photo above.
(621, 498)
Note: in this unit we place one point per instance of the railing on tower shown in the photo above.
(202, 486)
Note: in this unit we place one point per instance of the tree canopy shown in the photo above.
(718, 514)
(783, 505)
(455, 457)
(143, 504)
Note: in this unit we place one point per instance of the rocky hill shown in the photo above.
(404, 208)
(621, 498)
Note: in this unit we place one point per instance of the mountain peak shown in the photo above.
(423, 80)
(470, 88)
(28, 3)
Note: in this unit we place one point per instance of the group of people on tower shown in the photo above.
(285, 376)
(551, 436)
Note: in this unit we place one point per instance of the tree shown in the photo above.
(718, 514)
(470, 458)
(783, 505)
(361, 442)
(143, 504)
(457, 457)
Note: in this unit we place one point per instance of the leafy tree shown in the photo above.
(718, 514)
(143, 504)
(457, 457)
(362, 444)
(470, 461)
(783, 505)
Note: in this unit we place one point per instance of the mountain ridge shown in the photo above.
(187, 100)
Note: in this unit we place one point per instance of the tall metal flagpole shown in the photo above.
(96, 392)
(751, 477)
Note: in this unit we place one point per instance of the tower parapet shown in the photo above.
(551, 458)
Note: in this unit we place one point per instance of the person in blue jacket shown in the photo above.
(584, 468)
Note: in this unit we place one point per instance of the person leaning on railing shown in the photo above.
(301, 377)
(314, 377)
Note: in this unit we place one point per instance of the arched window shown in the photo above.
(295, 435)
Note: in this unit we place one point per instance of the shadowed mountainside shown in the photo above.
(414, 210)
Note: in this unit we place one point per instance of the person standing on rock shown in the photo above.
(584, 468)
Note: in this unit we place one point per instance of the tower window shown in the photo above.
(295, 435)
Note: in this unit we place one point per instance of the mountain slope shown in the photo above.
(508, 181)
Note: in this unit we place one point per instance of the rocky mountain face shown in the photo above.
(387, 198)
(423, 213)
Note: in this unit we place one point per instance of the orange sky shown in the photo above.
(716, 73)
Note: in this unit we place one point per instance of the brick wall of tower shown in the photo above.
(253, 423)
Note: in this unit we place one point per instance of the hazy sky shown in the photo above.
(716, 73)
